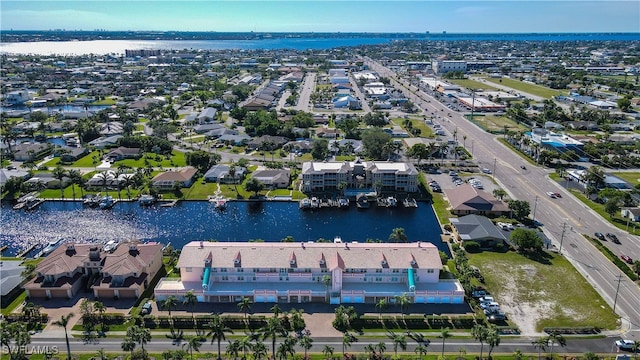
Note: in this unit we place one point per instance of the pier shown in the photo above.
(35, 204)
(171, 203)
(26, 251)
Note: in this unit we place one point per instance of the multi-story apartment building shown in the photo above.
(444, 66)
(311, 272)
(389, 176)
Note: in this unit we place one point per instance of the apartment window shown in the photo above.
(379, 279)
(225, 278)
(396, 271)
(240, 278)
(378, 270)
(240, 270)
(188, 269)
(223, 270)
(429, 271)
(394, 279)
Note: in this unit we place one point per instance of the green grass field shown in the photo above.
(493, 123)
(532, 89)
(564, 298)
(632, 178)
(177, 159)
(472, 84)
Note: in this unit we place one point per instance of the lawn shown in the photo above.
(417, 123)
(632, 178)
(440, 206)
(472, 84)
(87, 160)
(552, 286)
(496, 124)
(532, 89)
(200, 190)
(176, 159)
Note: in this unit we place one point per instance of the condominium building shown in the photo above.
(389, 176)
(445, 66)
(311, 272)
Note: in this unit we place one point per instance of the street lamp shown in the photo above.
(535, 204)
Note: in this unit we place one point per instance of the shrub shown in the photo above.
(472, 246)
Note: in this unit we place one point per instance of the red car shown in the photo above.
(627, 259)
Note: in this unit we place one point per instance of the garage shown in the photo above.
(37, 293)
(358, 299)
(127, 294)
(104, 293)
(59, 293)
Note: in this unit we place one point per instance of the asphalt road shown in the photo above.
(531, 185)
(507, 345)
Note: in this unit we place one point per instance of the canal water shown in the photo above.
(199, 220)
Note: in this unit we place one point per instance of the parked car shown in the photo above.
(495, 317)
(146, 308)
(489, 305)
(600, 236)
(624, 344)
(486, 171)
(626, 259)
(479, 293)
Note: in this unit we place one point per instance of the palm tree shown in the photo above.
(102, 355)
(540, 344)
(403, 301)
(445, 334)
(245, 306)
(128, 345)
(100, 309)
(233, 349)
(218, 330)
(326, 280)
(275, 309)
(104, 178)
(63, 322)
(421, 349)
(171, 302)
(59, 173)
(493, 338)
(287, 347)
(327, 351)
(76, 177)
(139, 334)
(128, 181)
(244, 344)
(480, 332)
(259, 350)
(556, 337)
(399, 341)
(190, 299)
(381, 305)
(193, 343)
(306, 342)
(273, 329)
(635, 347)
(347, 340)
(398, 235)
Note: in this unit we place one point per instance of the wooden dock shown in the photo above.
(171, 203)
(35, 204)
(25, 252)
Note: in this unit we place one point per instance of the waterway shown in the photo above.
(199, 220)
(102, 47)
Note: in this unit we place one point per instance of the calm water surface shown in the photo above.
(197, 220)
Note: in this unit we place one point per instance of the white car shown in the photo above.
(551, 194)
(624, 344)
(490, 305)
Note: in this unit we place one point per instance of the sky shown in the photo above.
(452, 16)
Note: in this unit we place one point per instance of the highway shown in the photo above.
(531, 185)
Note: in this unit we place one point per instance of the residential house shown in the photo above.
(478, 229)
(71, 154)
(632, 214)
(47, 180)
(223, 272)
(125, 273)
(6, 174)
(273, 178)
(220, 173)
(31, 152)
(207, 115)
(167, 179)
(267, 142)
(105, 141)
(10, 280)
(122, 153)
(465, 199)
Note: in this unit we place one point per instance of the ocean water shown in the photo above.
(199, 220)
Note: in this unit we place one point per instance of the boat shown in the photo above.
(392, 201)
(51, 245)
(343, 203)
(410, 203)
(91, 200)
(305, 204)
(24, 201)
(110, 246)
(219, 202)
(106, 202)
(362, 201)
(315, 203)
(147, 200)
(337, 240)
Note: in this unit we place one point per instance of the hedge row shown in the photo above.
(416, 322)
(44, 318)
(110, 318)
(201, 321)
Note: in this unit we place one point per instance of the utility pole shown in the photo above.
(615, 300)
(494, 168)
(564, 227)
(535, 204)
(473, 102)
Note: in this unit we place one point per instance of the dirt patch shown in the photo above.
(523, 313)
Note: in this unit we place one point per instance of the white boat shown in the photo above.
(410, 203)
(52, 245)
(343, 203)
(146, 200)
(315, 203)
(337, 240)
(106, 203)
(392, 201)
(220, 203)
(362, 201)
(305, 203)
(110, 246)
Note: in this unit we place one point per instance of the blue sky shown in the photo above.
(453, 16)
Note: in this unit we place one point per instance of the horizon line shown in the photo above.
(426, 32)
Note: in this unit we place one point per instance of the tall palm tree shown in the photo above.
(540, 344)
(59, 173)
(493, 338)
(104, 179)
(273, 329)
(381, 305)
(347, 340)
(63, 322)
(399, 341)
(245, 306)
(190, 299)
(244, 344)
(100, 309)
(445, 334)
(306, 342)
(403, 301)
(287, 347)
(128, 345)
(479, 332)
(139, 334)
(218, 330)
(75, 176)
(259, 350)
(193, 343)
(398, 235)
(556, 337)
(326, 280)
(233, 349)
(171, 302)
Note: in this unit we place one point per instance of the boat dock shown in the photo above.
(35, 204)
(3, 248)
(26, 251)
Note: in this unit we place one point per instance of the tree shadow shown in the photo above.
(541, 257)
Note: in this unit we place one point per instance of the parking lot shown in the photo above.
(447, 181)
